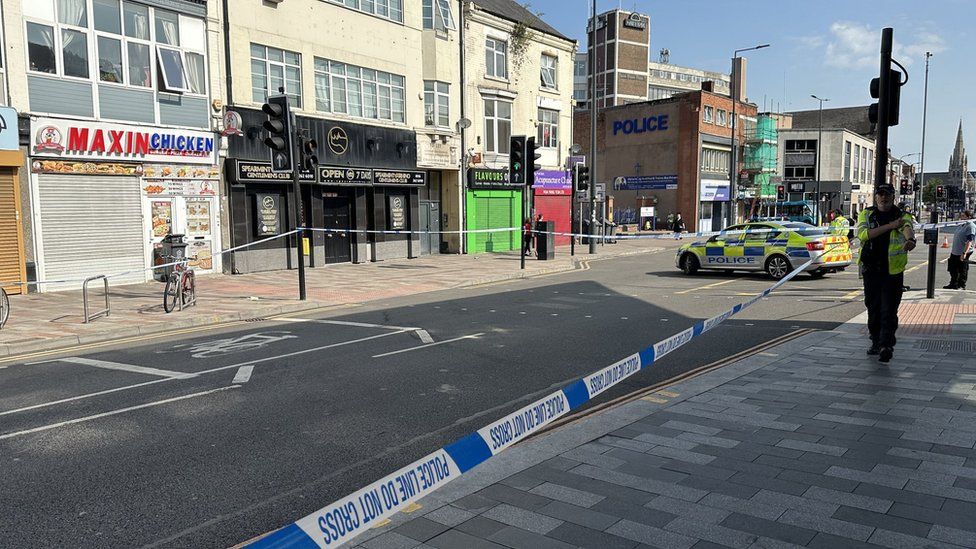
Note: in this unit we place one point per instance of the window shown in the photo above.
(437, 104)
(799, 172)
(870, 167)
(548, 129)
(857, 163)
(387, 9)
(709, 114)
(579, 68)
(548, 71)
(715, 161)
(800, 145)
(847, 160)
(496, 58)
(720, 119)
(273, 69)
(498, 126)
(358, 91)
(438, 15)
(40, 48)
(864, 158)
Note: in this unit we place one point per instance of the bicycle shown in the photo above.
(4, 307)
(180, 286)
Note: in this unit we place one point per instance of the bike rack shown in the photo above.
(84, 294)
(193, 301)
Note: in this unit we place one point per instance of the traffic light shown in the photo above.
(893, 95)
(581, 178)
(905, 189)
(781, 193)
(531, 155)
(310, 157)
(940, 192)
(916, 187)
(516, 160)
(278, 126)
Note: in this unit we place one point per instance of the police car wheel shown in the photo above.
(689, 264)
(778, 266)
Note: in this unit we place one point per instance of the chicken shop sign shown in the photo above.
(117, 142)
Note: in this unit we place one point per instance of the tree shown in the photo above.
(928, 193)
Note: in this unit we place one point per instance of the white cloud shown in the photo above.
(856, 46)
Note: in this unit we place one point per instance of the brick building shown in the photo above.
(671, 154)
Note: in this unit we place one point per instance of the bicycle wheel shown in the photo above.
(4, 307)
(188, 288)
(171, 293)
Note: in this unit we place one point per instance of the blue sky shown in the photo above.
(825, 47)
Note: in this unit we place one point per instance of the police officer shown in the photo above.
(887, 234)
(839, 224)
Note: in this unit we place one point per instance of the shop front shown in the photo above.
(553, 200)
(440, 200)
(104, 194)
(492, 202)
(367, 182)
(713, 196)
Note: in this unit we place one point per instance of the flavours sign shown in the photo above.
(116, 142)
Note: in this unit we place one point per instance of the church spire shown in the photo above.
(959, 152)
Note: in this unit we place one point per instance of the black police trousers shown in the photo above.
(882, 296)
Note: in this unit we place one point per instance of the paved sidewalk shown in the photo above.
(55, 320)
(811, 443)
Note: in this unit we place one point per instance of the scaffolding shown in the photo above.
(761, 156)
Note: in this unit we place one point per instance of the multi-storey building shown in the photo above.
(620, 51)
(116, 116)
(518, 80)
(665, 79)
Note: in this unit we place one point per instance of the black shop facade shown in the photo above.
(366, 182)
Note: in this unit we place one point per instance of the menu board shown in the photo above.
(398, 212)
(199, 254)
(162, 218)
(268, 214)
(198, 217)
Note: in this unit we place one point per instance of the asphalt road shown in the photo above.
(211, 438)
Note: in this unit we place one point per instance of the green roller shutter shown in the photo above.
(494, 210)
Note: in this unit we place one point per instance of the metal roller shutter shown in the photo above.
(11, 241)
(555, 208)
(90, 225)
(494, 210)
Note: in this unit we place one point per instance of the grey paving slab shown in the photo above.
(421, 529)
(879, 520)
(640, 483)
(454, 539)
(877, 505)
(566, 494)
(897, 540)
(745, 507)
(821, 523)
(581, 536)
(650, 535)
(521, 518)
(522, 539)
(769, 529)
(789, 501)
(965, 538)
(391, 540)
(450, 515)
(721, 535)
(480, 527)
(688, 510)
(579, 515)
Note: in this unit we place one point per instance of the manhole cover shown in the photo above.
(947, 346)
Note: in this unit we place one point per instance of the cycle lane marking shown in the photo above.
(243, 375)
(428, 345)
(107, 365)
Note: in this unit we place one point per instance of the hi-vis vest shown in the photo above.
(897, 256)
(840, 225)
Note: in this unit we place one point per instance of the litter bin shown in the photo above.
(174, 246)
(545, 244)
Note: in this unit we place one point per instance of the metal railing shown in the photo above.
(89, 316)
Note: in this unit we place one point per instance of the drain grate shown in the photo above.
(942, 345)
(255, 319)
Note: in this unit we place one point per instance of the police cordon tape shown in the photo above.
(343, 520)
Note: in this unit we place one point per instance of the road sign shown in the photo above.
(599, 192)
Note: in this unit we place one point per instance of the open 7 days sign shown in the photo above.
(118, 142)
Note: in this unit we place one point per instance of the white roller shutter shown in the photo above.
(90, 225)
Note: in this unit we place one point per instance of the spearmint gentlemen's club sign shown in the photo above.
(114, 142)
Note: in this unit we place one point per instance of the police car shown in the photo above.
(776, 247)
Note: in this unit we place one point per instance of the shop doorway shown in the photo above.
(337, 242)
(12, 266)
(193, 217)
(430, 226)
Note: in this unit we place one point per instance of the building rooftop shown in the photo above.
(854, 119)
(517, 13)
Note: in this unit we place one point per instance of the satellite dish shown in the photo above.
(464, 123)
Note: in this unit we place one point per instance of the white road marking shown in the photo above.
(113, 412)
(125, 367)
(472, 336)
(244, 374)
(424, 336)
(348, 323)
(212, 370)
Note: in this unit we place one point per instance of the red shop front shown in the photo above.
(555, 205)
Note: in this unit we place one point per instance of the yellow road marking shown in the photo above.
(654, 399)
(671, 394)
(851, 295)
(381, 524)
(704, 287)
(412, 508)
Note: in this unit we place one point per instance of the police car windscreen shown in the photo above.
(805, 228)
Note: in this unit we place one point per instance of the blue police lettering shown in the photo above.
(641, 125)
(369, 504)
(390, 499)
(339, 522)
(731, 259)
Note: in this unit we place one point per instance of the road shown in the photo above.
(209, 438)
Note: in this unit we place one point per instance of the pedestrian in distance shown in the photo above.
(839, 225)
(962, 247)
(678, 226)
(887, 235)
(527, 235)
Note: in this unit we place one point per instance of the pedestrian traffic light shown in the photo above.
(904, 187)
(940, 192)
(581, 178)
(892, 96)
(278, 126)
(531, 155)
(781, 193)
(310, 157)
(516, 160)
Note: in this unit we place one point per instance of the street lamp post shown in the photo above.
(820, 146)
(733, 191)
(930, 275)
